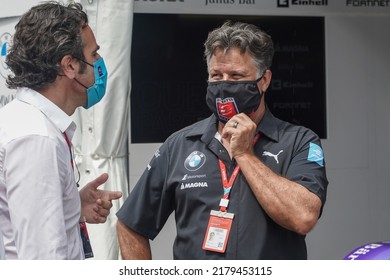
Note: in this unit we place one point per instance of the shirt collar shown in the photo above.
(61, 120)
(269, 126)
(206, 129)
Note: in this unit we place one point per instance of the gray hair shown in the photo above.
(248, 37)
(43, 36)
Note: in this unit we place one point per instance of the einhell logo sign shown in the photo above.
(288, 3)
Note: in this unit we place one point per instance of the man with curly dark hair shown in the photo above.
(56, 68)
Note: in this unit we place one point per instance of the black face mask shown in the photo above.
(228, 98)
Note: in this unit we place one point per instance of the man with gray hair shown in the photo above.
(255, 183)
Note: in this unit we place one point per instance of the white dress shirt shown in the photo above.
(39, 201)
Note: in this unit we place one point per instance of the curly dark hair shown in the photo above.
(43, 36)
(247, 37)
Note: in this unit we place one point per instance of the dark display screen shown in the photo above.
(169, 72)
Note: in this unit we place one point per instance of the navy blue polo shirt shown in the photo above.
(184, 177)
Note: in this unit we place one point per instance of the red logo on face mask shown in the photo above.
(227, 108)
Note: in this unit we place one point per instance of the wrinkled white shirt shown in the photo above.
(39, 201)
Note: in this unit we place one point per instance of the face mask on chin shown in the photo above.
(96, 92)
(228, 98)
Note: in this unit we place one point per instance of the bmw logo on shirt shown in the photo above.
(194, 161)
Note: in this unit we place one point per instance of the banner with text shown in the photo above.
(264, 7)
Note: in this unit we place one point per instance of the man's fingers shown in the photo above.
(114, 195)
(106, 204)
(99, 219)
(102, 211)
(99, 180)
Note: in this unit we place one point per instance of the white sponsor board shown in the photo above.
(7, 27)
(12, 8)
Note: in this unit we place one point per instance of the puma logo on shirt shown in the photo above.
(269, 154)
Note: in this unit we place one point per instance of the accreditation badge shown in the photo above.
(217, 232)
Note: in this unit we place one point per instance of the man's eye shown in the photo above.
(237, 77)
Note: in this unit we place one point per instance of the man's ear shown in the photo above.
(69, 66)
(266, 80)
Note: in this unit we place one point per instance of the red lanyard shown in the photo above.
(228, 184)
(70, 149)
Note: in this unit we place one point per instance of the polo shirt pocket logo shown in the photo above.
(194, 161)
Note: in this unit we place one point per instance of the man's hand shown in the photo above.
(96, 204)
(239, 131)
